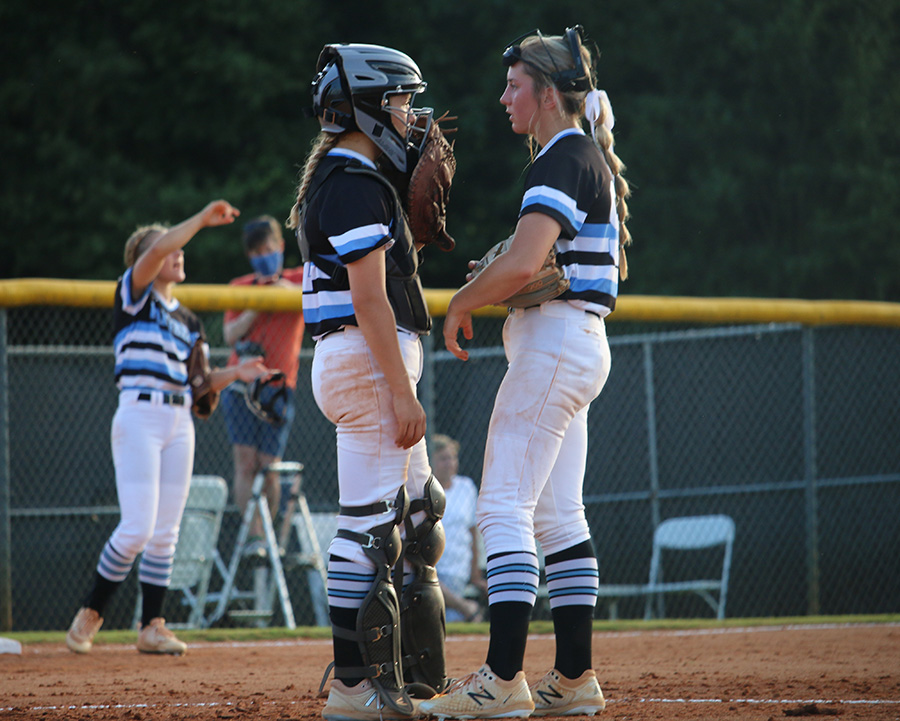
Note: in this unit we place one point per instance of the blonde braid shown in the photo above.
(322, 143)
(604, 139)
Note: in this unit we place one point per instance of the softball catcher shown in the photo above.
(364, 306)
(559, 274)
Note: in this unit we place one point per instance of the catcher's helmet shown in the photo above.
(267, 398)
(351, 90)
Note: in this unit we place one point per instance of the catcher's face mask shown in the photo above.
(414, 123)
(573, 79)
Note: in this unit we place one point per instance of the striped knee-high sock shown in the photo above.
(572, 581)
(114, 565)
(112, 569)
(156, 570)
(348, 585)
(512, 589)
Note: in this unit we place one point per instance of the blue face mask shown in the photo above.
(267, 265)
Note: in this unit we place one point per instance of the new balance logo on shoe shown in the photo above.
(556, 695)
(482, 695)
(549, 694)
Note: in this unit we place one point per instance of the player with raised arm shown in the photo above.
(152, 430)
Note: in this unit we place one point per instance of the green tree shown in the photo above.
(759, 136)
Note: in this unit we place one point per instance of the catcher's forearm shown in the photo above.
(378, 325)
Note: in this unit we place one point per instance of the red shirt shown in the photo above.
(280, 334)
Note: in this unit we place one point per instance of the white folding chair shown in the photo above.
(687, 534)
(268, 578)
(196, 550)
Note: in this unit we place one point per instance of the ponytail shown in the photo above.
(601, 128)
(320, 147)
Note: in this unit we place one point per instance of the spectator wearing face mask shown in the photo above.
(277, 337)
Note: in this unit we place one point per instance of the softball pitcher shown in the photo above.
(363, 304)
(559, 360)
(152, 430)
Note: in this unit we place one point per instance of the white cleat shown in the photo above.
(482, 694)
(556, 695)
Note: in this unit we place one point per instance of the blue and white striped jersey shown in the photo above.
(348, 218)
(152, 340)
(571, 182)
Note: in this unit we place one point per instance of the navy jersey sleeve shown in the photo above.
(566, 183)
(355, 215)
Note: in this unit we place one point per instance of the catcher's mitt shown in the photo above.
(429, 188)
(548, 283)
(267, 399)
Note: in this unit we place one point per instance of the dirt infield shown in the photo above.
(851, 671)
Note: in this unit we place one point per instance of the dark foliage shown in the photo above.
(759, 136)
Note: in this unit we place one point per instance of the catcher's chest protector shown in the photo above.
(404, 289)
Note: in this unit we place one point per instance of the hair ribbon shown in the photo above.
(594, 101)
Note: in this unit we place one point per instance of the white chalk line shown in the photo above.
(232, 704)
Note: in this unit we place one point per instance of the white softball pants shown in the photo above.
(536, 449)
(352, 393)
(153, 454)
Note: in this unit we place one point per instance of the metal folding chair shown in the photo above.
(690, 533)
(195, 554)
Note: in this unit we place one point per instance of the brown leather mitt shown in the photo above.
(429, 189)
(205, 399)
(548, 283)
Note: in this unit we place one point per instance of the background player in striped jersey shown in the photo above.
(558, 362)
(364, 306)
(152, 430)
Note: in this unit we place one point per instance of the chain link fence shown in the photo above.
(789, 428)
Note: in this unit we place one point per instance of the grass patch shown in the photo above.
(224, 635)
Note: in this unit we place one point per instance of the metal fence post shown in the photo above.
(5, 535)
(649, 392)
(811, 499)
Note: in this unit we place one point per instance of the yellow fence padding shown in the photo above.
(635, 308)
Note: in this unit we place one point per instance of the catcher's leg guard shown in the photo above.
(378, 621)
(422, 615)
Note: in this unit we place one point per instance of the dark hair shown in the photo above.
(259, 230)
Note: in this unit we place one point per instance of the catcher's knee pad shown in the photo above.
(422, 614)
(377, 631)
(424, 543)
